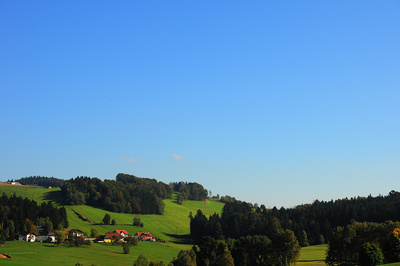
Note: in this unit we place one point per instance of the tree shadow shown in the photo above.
(181, 239)
(55, 196)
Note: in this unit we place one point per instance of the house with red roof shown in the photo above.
(123, 233)
(109, 237)
(145, 236)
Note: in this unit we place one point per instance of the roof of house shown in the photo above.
(27, 233)
(47, 233)
(111, 235)
(144, 234)
(75, 231)
(121, 231)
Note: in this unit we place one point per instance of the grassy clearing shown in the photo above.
(312, 255)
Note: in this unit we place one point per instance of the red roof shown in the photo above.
(111, 235)
(144, 234)
(122, 231)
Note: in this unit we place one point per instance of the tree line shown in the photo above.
(364, 243)
(42, 181)
(19, 214)
(281, 248)
(128, 194)
(312, 223)
(189, 191)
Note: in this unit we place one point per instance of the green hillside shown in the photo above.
(173, 227)
(38, 194)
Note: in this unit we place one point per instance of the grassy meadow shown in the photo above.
(173, 227)
(38, 194)
(312, 255)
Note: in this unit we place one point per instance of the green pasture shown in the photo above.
(315, 255)
(312, 255)
(25, 253)
(173, 226)
(38, 194)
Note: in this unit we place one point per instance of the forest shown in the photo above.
(189, 191)
(280, 249)
(19, 214)
(311, 223)
(128, 193)
(365, 243)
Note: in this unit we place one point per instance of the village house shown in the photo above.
(75, 233)
(123, 233)
(108, 238)
(28, 236)
(45, 236)
(145, 236)
(14, 183)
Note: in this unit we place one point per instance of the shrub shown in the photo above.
(370, 255)
(136, 221)
(126, 248)
(141, 261)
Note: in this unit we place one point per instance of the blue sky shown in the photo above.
(275, 103)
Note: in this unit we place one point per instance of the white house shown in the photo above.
(46, 237)
(27, 236)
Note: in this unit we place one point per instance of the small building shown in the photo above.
(109, 238)
(145, 236)
(45, 236)
(123, 233)
(75, 233)
(14, 183)
(27, 236)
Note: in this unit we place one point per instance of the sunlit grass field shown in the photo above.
(173, 227)
(38, 194)
(312, 255)
(25, 253)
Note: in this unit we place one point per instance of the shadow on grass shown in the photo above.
(181, 239)
(55, 196)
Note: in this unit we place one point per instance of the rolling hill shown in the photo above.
(173, 227)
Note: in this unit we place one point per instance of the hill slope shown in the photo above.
(173, 227)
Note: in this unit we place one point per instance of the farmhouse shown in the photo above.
(46, 237)
(75, 233)
(145, 236)
(109, 238)
(28, 236)
(14, 183)
(123, 233)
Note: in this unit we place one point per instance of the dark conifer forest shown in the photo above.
(19, 214)
(41, 181)
(128, 194)
(312, 223)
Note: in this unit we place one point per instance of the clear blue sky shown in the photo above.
(272, 102)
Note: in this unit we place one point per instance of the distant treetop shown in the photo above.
(41, 181)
